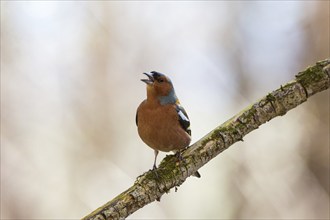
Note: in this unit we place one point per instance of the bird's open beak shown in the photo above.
(150, 79)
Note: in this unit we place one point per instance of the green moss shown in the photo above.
(166, 168)
(270, 97)
(225, 128)
(240, 126)
(231, 126)
(287, 85)
(312, 73)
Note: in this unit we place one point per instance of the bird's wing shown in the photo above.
(136, 118)
(183, 118)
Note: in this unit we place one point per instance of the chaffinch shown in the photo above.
(162, 122)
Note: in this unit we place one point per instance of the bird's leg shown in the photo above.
(154, 168)
(155, 160)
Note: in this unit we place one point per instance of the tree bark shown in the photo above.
(147, 188)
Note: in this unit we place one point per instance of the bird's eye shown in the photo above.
(160, 80)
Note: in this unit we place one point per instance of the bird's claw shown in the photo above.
(154, 171)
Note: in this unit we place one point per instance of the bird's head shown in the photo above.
(160, 87)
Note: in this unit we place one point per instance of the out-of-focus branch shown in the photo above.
(147, 188)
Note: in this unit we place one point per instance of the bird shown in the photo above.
(162, 122)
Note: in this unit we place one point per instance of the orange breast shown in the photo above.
(159, 127)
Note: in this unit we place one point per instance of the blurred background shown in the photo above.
(70, 86)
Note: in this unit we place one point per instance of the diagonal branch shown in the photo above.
(147, 188)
